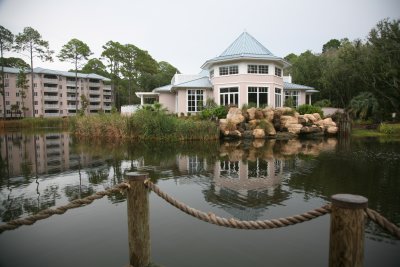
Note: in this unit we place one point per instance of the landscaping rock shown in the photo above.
(259, 115)
(332, 130)
(252, 113)
(247, 134)
(268, 114)
(235, 115)
(258, 133)
(317, 116)
(294, 128)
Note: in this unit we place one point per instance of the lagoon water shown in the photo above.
(245, 180)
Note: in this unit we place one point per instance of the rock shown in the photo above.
(310, 117)
(234, 134)
(268, 114)
(294, 128)
(332, 130)
(259, 114)
(296, 114)
(253, 124)
(286, 121)
(328, 122)
(284, 136)
(235, 115)
(258, 133)
(302, 120)
(223, 125)
(310, 129)
(247, 134)
(317, 116)
(252, 113)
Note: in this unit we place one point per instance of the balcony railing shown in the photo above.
(50, 97)
(94, 84)
(50, 89)
(95, 107)
(53, 81)
(51, 106)
(69, 90)
(51, 115)
(107, 100)
(72, 98)
(71, 106)
(106, 93)
(107, 107)
(107, 87)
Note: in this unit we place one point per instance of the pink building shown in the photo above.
(55, 94)
(246, 72)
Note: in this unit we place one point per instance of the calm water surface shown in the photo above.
(246, 180)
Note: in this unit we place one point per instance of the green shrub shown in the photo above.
(309, 109)
(389, 129)
(219, 112)
(323, 103)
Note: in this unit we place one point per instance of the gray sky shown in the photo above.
(187, 33)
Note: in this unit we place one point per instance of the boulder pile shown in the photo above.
(273, 123)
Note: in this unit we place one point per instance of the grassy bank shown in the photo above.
(143, 125)
(36, 123)
(384, 130)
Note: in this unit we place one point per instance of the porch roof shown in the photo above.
(294, 86)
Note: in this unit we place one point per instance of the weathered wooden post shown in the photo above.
(346, 246)
(138, 219)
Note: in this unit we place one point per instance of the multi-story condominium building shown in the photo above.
(245, 73)
(55, 94)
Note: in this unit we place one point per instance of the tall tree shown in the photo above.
(383, 60)
(14, 62)
(22, 84)
(331, 44)
(95, 65)
(75, 51)
(31, 41)
(113, 53)
(129, 66)
(6, 41)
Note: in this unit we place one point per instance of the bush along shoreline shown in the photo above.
(279, 123)
(144, 124)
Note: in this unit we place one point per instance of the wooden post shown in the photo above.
(138, 220)
(346, 246)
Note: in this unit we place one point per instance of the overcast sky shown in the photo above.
(187, 33)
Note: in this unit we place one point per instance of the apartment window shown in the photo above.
(229, 96)
(258, 96)
(35, 85)
(7, 103)
(36, 111)
(294, 95)
(60, 86)
(7, 94)
(195, 100)
(35, 93)
(6, 83)
(8, 111)
(36, 103)
(211, 74)
(17, 94)
(278, 97)
(263, 69)
(6, 75)
(278, 72)
(223, 71)
(60, 94)
(234, 69)
(251, 68)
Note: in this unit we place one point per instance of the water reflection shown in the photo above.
(244, 178)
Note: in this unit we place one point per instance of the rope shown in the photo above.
(383, 222)
(238, 224)
(11, 225)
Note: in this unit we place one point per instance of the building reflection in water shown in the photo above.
(247, 176)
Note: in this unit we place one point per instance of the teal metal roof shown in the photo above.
(10, 70)
(246, 44)
(294, 86)
(245, 47)
(203, 82)
(165, 88)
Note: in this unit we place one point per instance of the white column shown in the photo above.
(141, 100)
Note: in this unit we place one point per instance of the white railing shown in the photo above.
(52, 106)
(50, 97)
(107, 100)
(94, 84)
(72, 107)
(71, 98)
(53, 81)
(50, 89)
(95, 107)
(51, 115)
(106, 93)
(71, 90)
(107, 108)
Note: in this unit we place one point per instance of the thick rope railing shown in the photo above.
(383, 222)
(238, 224)
(267, 224)
(11, 225)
